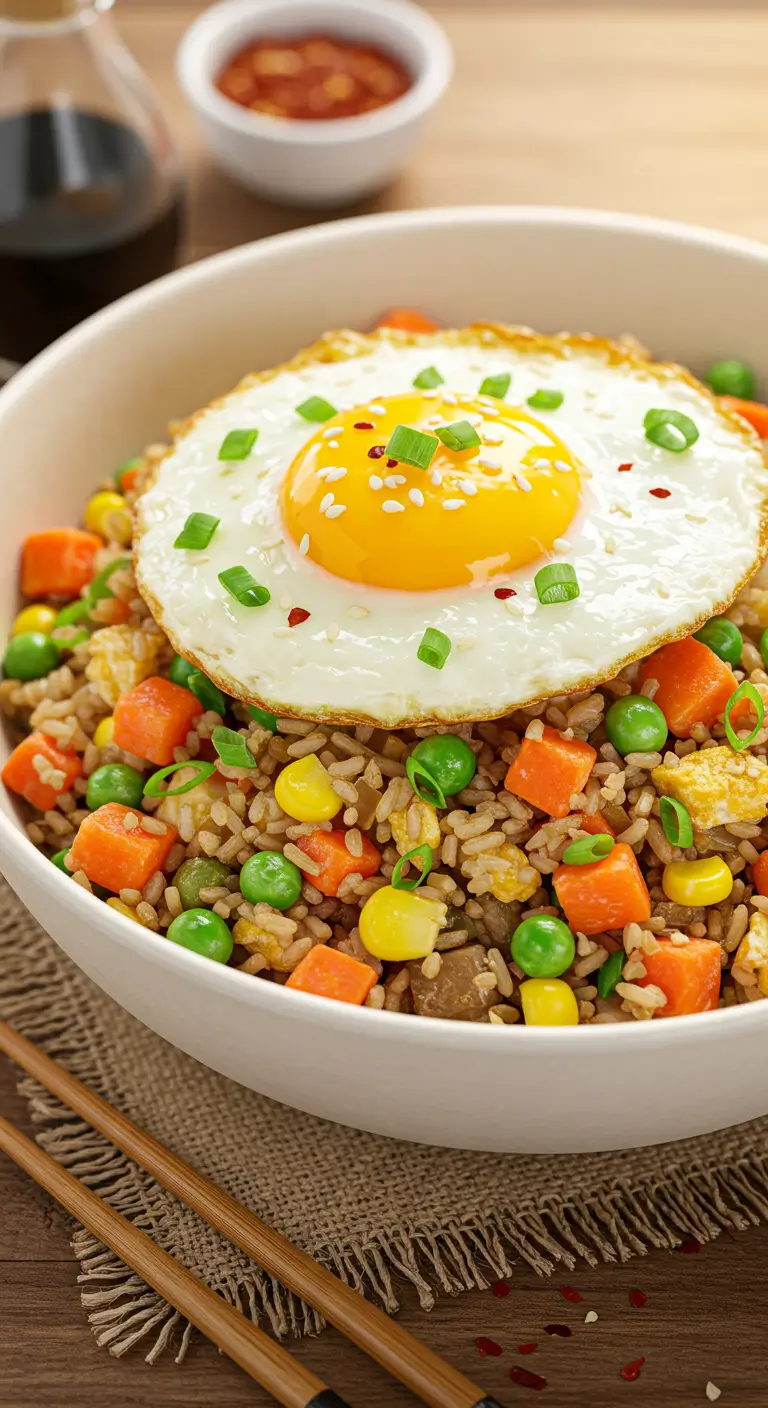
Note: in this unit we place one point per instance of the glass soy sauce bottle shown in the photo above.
(90, 186)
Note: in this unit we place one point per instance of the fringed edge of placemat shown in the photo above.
(612, 1225)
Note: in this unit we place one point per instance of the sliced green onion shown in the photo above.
(588, 849)
(496, 386)
(69, 642)
(428, 379)
(316, 408)
(197, 531)
(237, 444)
(423, 783)
(459, 436)
(610, 973)
(243, 587)
(546, 400)
(208, 693)
(557, 582)
(434, 649)
(232, 748)
(72, 613)
(671, 430)
(411, 446)
(263, 717)
(98, 589)
(422, 853)
(676, 822)
(203, 771)
(744, 691)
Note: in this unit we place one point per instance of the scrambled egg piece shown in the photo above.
(717, 786)
(519, 882)
(429, 828)
(121, 657)
(752, 954)
(258, 940)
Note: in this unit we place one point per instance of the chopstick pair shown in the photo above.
(433, 1380)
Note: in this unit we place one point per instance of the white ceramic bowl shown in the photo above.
(111, 385)
(314, 163)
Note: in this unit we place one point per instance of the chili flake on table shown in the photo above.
(312, 76)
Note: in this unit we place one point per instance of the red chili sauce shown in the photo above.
(312, 76)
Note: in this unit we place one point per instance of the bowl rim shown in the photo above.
(195, 75)
(437, 1032)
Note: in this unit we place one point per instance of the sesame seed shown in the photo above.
(336, 510)
(285, 603)
(376, 482)
(514, 606)
(523, 483)
(331, 475)
(377, 410)
(393, 481)
(474, 420)
(590, 1317)
(304, 545)
(466, 642)
(431, 393)
(561, 545)
(273, 542)
(357, 611)
(332, 632)
(325, 502)
(489, 436)
(416, 497)
(333, 444)
(392, 506)
(468, 487)
(488, 463)
(712, 1391)
(563, 467)
(450, 399)
(436, 477)
(541, 464)
(282, 631)
(332, 430)
(609, 543)
(451, 504)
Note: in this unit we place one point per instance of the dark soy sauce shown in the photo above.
(85, 216)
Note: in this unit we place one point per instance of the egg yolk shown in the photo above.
(470, 516)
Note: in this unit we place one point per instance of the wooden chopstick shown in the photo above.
(261, 1357)
(433, 1380)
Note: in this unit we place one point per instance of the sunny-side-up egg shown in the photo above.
(441, 527)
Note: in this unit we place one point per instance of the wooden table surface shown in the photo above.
(661, 108)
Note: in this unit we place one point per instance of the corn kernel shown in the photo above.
(429, 828)
(115, 903)
(697, 882)
(34, 618)
(104, 732)
(548, 1002)
(398, 925)
(107, 513)
(303, 789)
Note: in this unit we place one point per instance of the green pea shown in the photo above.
(732, 378)
(723, 638)
(455, 918)
(114, 782)
(30, 656)
(543, 946)
(635, 724)
(203, 932)
(58, 861)
(189, 677)
(448, 759)
(198, 874)
(610, 973)
(180, 671)
(268, 878)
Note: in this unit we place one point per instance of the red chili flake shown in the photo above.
(632, 1371)
(487, 1346)
(297, 615)
(363, 425)
(500, 1289)
(623, 468)
(568, 1293)
(564, 1332)
(525, 1378)
(392, 464)
(660, 493)
(527, 1348)
(638, 1299)
(689, 1247)
(376, 452)
(504, 593)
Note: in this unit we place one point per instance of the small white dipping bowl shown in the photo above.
(320, 163)
(111, 386)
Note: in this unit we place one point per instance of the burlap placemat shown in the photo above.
(371, 1209)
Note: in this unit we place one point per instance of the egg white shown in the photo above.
(649, 569)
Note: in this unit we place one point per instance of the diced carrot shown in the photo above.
(58, 561)
(329, 849)
(548, 770)
(407, 320)
(328, 973)
(117, 858)
(154, 718)
(753, 411)
(596, 824)
(689, 975)
(760, 873)
(605, 895)
(129, 479)
(21, 775)
(694, 684)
